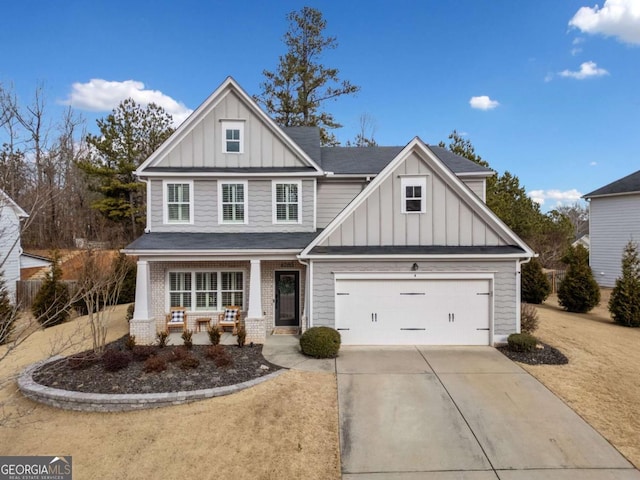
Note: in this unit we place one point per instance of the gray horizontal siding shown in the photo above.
(333, 196)
(613, 221)
(504, 315)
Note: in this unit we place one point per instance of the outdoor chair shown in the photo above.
(229, 318)
(177, 318)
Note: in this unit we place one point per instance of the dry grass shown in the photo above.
(283, 428)
(602, 380)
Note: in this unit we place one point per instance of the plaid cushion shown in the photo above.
(177, 316)
(230, 314)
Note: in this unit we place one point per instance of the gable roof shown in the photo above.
(229, 85)
(7, 200)
(417, 145)
(623, 186)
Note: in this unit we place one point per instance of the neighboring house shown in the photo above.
(10, 248)
(390, 245)
(583, 240)
(614, 219)
(31, 263)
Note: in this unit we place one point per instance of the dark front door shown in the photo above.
(287, 299)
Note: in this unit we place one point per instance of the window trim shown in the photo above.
(274, 186)
(232, 125)
(413, 181)
(165, 202)
(221, 219)
(219, 292)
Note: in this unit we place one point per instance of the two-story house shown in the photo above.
(10, 247)
(390, 245)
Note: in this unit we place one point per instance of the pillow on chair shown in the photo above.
(177, 316)
(230, 314)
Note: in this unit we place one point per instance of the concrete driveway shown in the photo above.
(464, 413)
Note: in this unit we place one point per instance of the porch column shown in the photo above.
(142, 325)
(254, 323)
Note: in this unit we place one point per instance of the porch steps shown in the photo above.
(286, 330)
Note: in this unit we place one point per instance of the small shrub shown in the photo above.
(214, 351)
(155, 363)
(522, 342)
(114, 360)
(535, 285)
(83, 360)
(51, 305)
(177, 354)
(528, 318)
(8, 313)
(320, 342)
(162, 337)
(242, 336)
(214, 335)
(141, 353)
(224, 359)
(189, 362)
(187, 336)
(578, 292)
(130, 342)
(130, 309)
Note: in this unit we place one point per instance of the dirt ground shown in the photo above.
(283, 428)
(602, 380)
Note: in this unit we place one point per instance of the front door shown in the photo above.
(287, 299)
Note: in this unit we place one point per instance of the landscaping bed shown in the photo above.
(197, 368)
(544, 354)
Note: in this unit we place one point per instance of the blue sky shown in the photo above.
(546, 89)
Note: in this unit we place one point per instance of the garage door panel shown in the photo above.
(413, 311)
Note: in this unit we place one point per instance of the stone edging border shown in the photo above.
(120, 402)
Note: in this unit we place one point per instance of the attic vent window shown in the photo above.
(414, 190)
(232, 137)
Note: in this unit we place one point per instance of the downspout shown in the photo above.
(307, 312)
(148, 206)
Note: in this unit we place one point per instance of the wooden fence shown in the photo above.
(555, 277)
(26, 291)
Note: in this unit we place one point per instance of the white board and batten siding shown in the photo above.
(613, 222)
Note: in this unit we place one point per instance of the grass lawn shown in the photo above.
(283, 428)
(602, 380)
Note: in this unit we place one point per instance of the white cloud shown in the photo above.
(566, 197)
(100, 95)
(593, 164)
(587, 70)
(616, 18)
(483, 102)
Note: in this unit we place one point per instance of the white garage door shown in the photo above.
(413, 311)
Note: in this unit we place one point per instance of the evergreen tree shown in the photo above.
(128, 136)
(578, 292)
(535, 286)
(7, 312)
(294, 93)
(51, 305)
(624, 304)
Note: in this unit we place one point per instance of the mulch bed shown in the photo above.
(86, 373)
(544, 354)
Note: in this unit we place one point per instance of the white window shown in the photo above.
(232, 137)
(178, 200)
(414, 191)
(232, 202)
(286, 202)
(206, 290)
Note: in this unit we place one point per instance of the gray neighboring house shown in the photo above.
(390, 245)
(10, 247)
(614, 219)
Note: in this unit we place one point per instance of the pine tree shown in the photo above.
(51, 305)
(7, 312)
(624, 304)
(578, 292)
(535, 286)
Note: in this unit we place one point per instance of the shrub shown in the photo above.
(125, 264)
(624, 303)
(214, 335)
(8, 313)
(223, 360)
(242, 336)
(177, 354)
(214, 351)
(522, 342)
(130, 342)
(189, 362)
(162, 337)
(130, 309)
(578, 292)
(187, 336)
(142, 352)
(80, 361)
(114, 360)
(528, 318)
(51, 305)
(320, 342)
(155, 363)
(535, 285)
